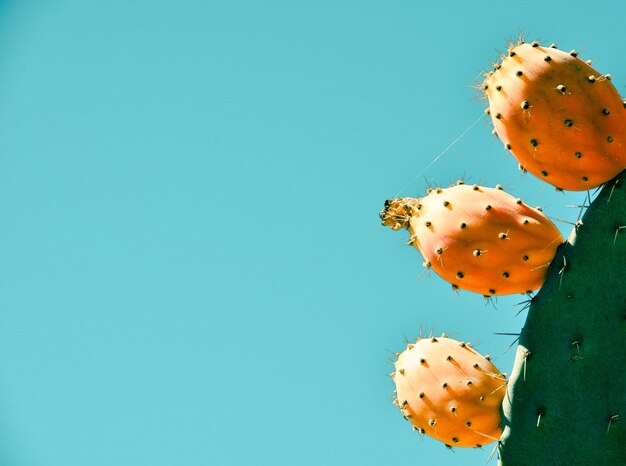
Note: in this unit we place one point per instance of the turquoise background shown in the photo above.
(192, 270)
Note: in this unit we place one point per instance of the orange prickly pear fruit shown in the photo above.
(449, 391)
(478, 239)
(563, 121)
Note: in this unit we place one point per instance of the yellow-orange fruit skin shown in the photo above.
(483, 239)
(450, 392)
(562, 120)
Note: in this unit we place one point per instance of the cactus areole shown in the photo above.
(448, 391)
(477, 238)
(563, 120)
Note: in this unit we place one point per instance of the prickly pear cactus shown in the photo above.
(564, 121)
(565, 402)
(566, 399)
(449, 391)
(477, 238)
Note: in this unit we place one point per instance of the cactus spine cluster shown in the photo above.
(565, 402)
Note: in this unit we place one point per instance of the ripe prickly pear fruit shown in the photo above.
(478, 239)
(449, 391)
(563, 120)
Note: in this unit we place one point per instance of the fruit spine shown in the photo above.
(477, 238)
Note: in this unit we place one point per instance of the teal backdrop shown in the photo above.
(192, 269)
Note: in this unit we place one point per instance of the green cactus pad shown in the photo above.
(566, 399)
